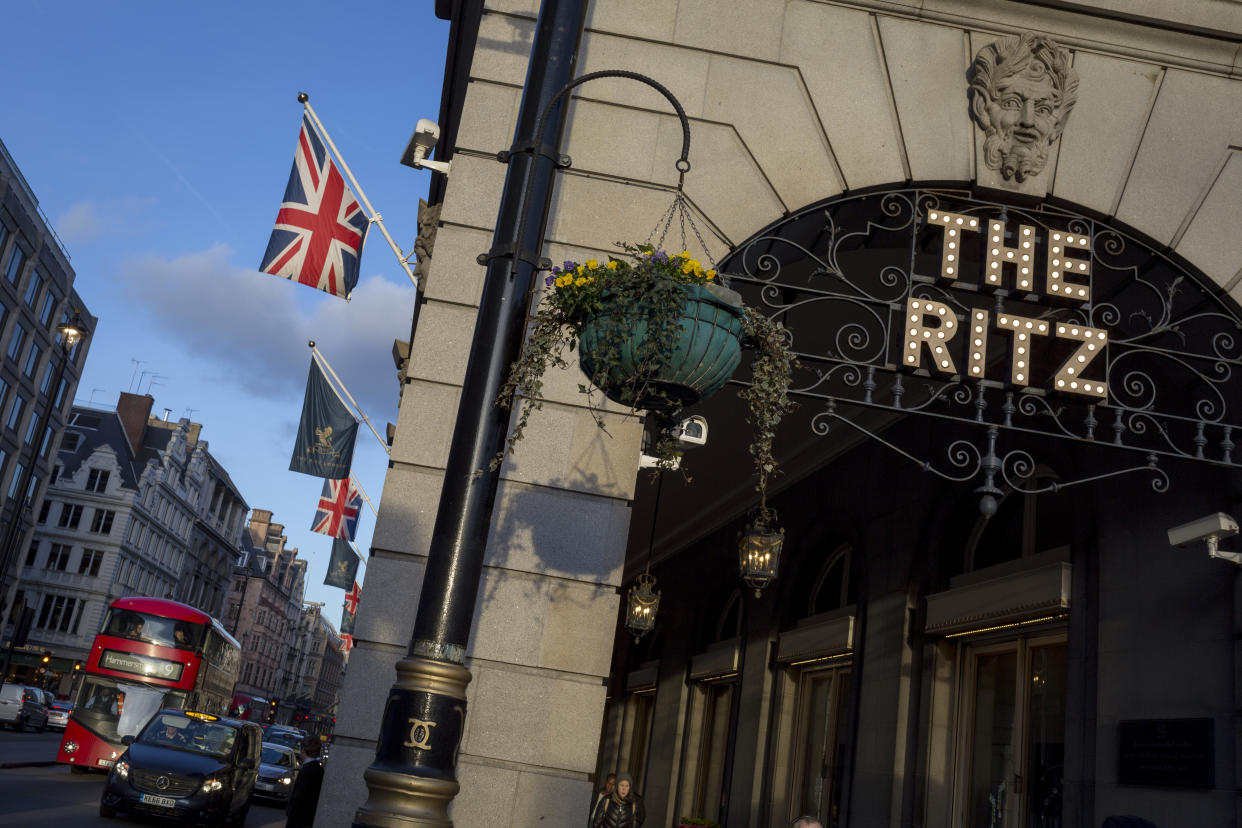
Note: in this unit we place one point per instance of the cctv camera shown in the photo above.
(1211, 528)
(422, 142)
(692, 431)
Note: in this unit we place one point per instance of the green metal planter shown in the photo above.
(706, 353)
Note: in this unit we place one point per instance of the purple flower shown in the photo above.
(659, 256)
(549, 280)
(568, 265)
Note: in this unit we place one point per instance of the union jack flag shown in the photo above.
(347, 642)
(352, 598)
(339, 507)
(320, 227)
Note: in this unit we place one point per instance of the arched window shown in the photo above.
(833, 587)
(1024, 525)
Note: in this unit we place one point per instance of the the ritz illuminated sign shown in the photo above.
(933, 334)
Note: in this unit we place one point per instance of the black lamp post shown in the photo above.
(413, 778)
(72, 331)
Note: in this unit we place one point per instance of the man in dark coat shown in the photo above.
(304, 798)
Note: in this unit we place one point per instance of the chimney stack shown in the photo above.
(134, 409)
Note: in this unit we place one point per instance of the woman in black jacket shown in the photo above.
(623, 809)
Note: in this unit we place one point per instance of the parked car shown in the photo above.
(58, 714)
(186, 766)
(278, 768)
(22, 707)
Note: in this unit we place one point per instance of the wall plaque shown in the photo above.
(1167, 752)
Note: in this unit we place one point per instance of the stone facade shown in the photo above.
(793, 103)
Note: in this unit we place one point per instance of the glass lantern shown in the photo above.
(643, 603)
(759, 549)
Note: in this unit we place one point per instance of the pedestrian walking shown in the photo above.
(304, 798)
(601, 796)
(623, 808)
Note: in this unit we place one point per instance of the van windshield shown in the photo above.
(190, 734)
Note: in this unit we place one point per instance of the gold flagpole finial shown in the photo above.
(303, 97)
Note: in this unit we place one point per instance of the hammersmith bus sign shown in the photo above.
(1036, 320)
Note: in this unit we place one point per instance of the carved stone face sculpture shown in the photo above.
(1022, 90)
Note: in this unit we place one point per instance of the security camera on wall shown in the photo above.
(1209, 530)
(422, 142)
(692, 432)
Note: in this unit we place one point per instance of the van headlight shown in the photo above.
(285, 780)
(211, 784)
(122, 769)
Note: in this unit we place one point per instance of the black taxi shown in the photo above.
(188, 766)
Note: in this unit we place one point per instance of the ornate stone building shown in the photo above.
(979, 619)
(264, 607)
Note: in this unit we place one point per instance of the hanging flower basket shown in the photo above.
(656, 332)
(695, 363)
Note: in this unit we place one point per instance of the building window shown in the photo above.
(97, 480)
(48, 310)
(32, 553)
(4, 392)
(32, 360)
(60, 394)
(46, 507)
(33, 288)
(18, 470)
(70, 516)
(58, 613)
(92, 559)
(14, 270)
(17, 342)
(71, 441)
(32, 427)
(101, 524)
(57, 471)
(15, 413)
(58, 557)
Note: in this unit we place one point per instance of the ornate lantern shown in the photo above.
(759, 549)
(643, 603)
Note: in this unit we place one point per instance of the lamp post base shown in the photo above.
(413, 779)
(399, 800)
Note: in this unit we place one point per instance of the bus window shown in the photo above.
(165, 632)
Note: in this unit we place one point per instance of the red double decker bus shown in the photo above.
(149, 655)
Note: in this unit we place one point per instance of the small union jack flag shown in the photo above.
(339, 507)
(347, 642)
(352, 598)
(320, 227)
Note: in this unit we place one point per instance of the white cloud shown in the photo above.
(254, 327)
(87, 220)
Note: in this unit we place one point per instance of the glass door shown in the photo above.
(709, 786)
(1014, 736)
(820, 744)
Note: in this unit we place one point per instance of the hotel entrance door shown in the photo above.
(1012, 745)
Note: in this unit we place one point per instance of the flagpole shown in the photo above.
(364, 494)
(323, 361)
(375, 217)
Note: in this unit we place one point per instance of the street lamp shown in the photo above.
(72, 331)
(413, 778)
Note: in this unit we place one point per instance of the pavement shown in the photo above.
(29, 749)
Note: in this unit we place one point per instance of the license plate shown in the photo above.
(162, 801)
(105, 763)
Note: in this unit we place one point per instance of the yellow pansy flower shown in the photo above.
(592, 264)
(711, 274)
(581, 269)
(612, 265)
(580, 281)
(561, 281)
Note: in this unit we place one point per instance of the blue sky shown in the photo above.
(158, 138)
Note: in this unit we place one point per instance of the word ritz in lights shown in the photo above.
(931, 326)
